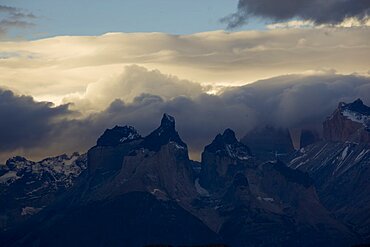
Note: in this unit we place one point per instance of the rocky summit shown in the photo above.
(130, 190)
(349, 122)
(27, 187)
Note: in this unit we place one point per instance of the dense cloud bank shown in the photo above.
(134, 81)
(27, 124)
(291, 101)
(48, 69)
(318, 11)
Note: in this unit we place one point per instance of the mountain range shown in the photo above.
(133, 190)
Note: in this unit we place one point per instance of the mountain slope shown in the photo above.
(145, 190)
(132, 219)
(255, 201)
(27, 187)
(340, 166)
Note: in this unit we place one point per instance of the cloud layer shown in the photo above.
(317, 11)
(134, 81)
(50, 68)
(292, 101)
(25, 123)
(134, 78)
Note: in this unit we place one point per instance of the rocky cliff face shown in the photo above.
(256, 200)
(222, 159)
(349, 122)
(105, 159)
(157, 164)
(145, 190)
(341, 172)
(267, 142)
(340, 166)
(137, 191)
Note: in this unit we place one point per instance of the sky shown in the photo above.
(95, 17)
(71, 69)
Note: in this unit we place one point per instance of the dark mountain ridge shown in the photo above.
(139, 191)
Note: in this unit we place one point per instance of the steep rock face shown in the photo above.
(157, 164)
(107, 156)
(163, 135)
(146, 190)
(27, 187)
(341, 171)
(222, 159)
(280, 203)
(154, 176)
(268, 141)
(349, 122)
(255, 201)
(340, 165)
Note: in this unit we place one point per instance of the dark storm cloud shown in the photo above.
(25, 123)
(11, 17)
(292, 101)
(13, 12)
(318, 11)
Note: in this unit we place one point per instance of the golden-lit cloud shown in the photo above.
(50, 69)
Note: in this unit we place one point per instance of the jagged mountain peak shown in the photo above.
(15, 159)
(227, 144)
(168, 121)
(118, 135)
(163, 135)
(356, 111)
(229, 136)
(349, 122)
(356, 106)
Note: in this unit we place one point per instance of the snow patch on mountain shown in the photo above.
(201, 191)
(30, 211)
(131, 136)
(9, 177)
(236, 153)
(357, 117)
(61, 169)
(344, 153)
(362, 155)
(266, 199)
(356, 111)
(177, 145)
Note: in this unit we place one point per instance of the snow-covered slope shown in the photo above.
(340, 165)
(26, 187)
(62, 169)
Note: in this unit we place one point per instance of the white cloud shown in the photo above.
(349, 22)
(51, 68)
(133, 82)
(292, 24)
